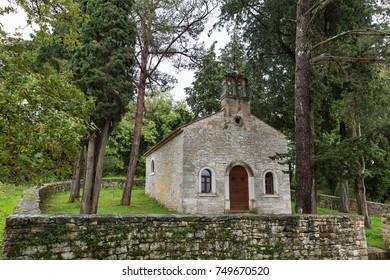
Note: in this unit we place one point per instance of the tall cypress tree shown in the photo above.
(103, 68)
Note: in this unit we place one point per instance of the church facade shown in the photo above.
(221, 163)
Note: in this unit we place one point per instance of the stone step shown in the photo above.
(377, 254)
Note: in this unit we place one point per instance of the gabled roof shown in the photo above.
(179, 130)
(176, 132)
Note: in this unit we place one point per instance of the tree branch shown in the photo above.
(353, 32)
(201, 17)
(317, 8)
(328, 58)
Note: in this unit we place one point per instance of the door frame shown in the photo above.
(251, 185)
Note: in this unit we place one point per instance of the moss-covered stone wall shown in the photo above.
(184, 237)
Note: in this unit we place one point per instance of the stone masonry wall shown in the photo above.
(184, 237)
(333, 202)
(386, 230)
(165, 183)
(31, 199)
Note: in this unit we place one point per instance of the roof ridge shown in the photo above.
(176, 132)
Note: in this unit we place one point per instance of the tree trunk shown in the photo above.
(361, 195)
(360, 187)
(89, 176)
(99, 167)
(344, 194)
(344, 184)
(76, 177)
(126, 196)
(313, 171)
(305, 199)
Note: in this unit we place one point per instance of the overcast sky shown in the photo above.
(11, 22)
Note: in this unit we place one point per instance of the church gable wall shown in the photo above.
(220, 140)
(165, 181)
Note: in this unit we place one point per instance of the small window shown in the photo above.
(269, 183)
(238, 121)
(152, 167)
(206, 181)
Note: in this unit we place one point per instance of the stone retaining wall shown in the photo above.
(31, 199)
(386, 230)
(333, 202)
(184, 237)
(30, 235)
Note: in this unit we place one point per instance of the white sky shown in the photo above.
(12, 22)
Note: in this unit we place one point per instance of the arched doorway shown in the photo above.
(238, 189)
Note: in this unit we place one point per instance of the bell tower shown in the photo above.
(235, 98)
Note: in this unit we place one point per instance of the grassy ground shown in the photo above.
(109, 203)
(374, 235)
(9, 198)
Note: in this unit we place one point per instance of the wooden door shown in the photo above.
(238, 188)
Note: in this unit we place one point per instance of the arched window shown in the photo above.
(269, 183)
(206, 181)
(152, 167)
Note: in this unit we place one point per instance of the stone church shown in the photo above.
(221, 163)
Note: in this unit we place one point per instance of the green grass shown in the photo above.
(9, 198)
(374, 235)
(116, 177)
(109, 203)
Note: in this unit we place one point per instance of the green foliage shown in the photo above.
(268, 31)
(162, 115)
(54, 15)
(232, 56)
(103, 64)
(204, 95)
(119, 146)
(42, 116)
(378, 179)
(341, 94)
(360, 99)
